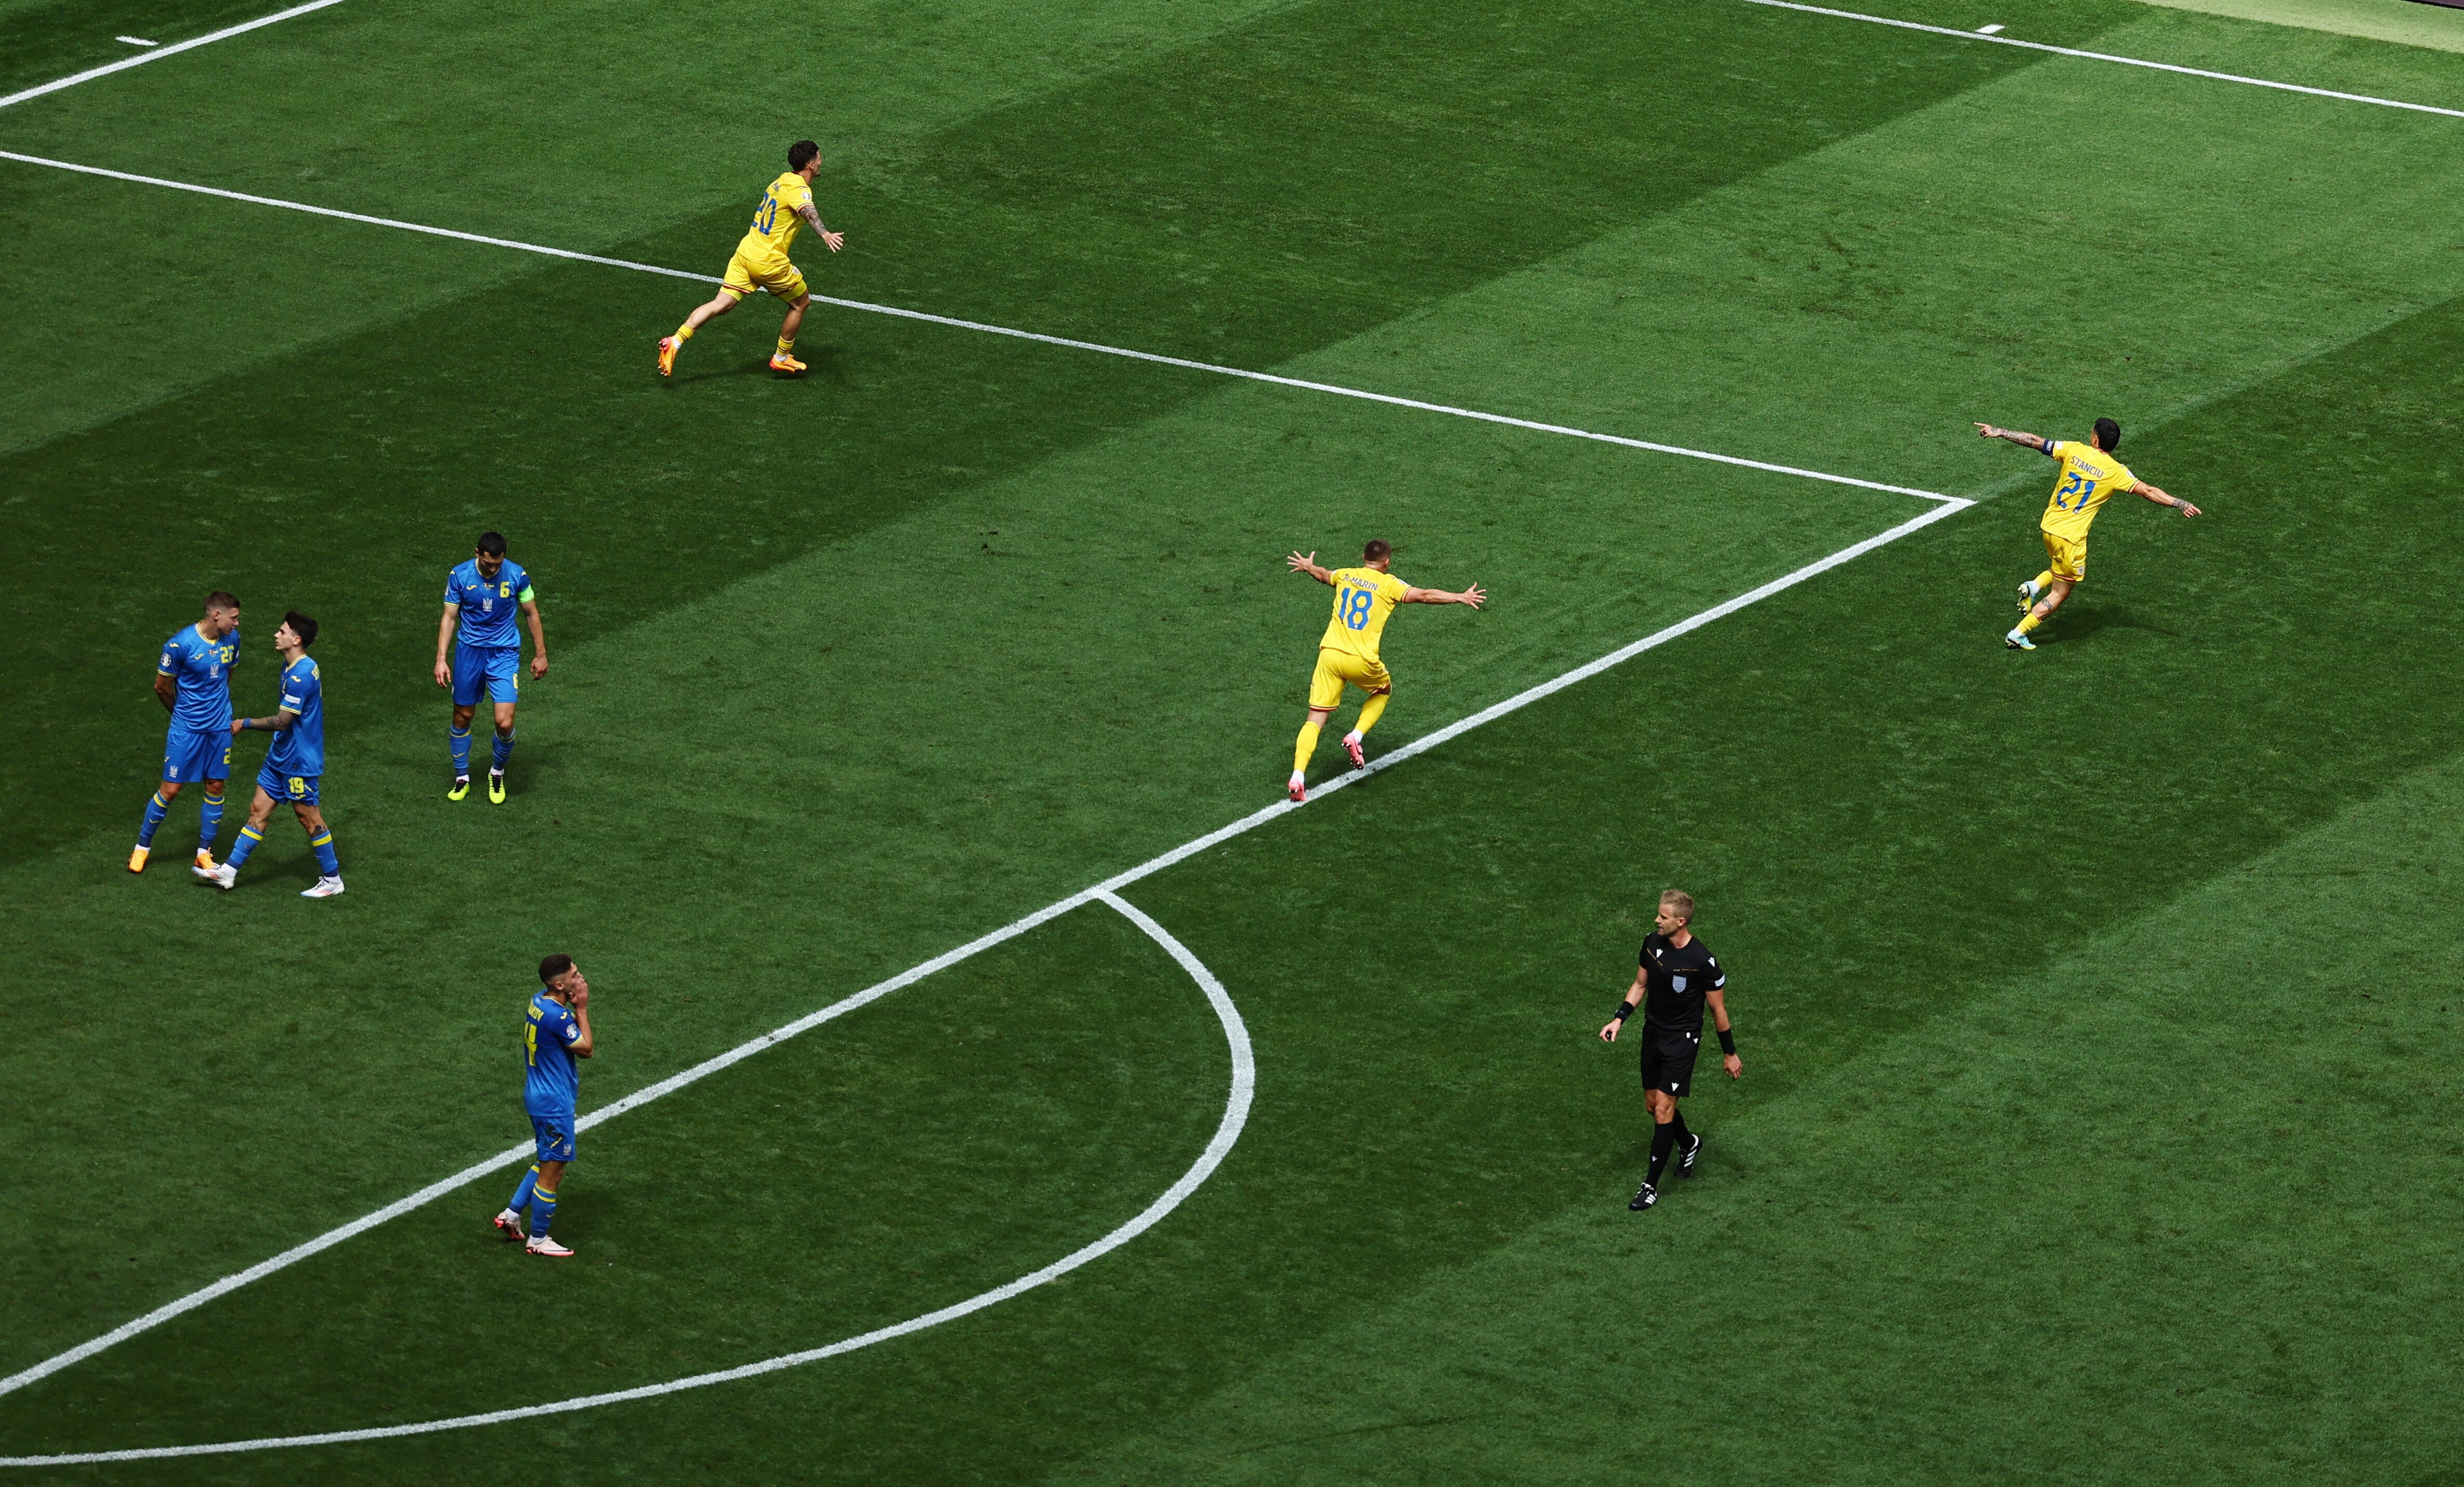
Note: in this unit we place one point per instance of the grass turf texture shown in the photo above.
(1002, 618)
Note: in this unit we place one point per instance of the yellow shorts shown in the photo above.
(776, 275)
(1335, 668)
(2066, 558)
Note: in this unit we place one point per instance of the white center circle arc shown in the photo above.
(1236, 1115)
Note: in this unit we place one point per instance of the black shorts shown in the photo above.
(1668, 1059)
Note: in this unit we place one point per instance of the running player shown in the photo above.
(1348, 652)
(192, 683)
(556, 1032)
(2087, 475)
(760, 261)
(480, 598)
(292, 766)
(1678, 978)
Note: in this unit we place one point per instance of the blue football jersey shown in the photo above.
(488, 605)
(552, 1082)
(200, 672)
(300, 749)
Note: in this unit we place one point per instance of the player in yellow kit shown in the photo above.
(760, 261)
(1348, 652)
(2089, 473)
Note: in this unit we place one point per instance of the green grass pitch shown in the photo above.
(2100, 1007)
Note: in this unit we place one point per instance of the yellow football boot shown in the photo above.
(786, 365)
(461, 787)
(669, 346)
(137, 858)
(495, 788)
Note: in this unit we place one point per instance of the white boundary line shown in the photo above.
(1227, 1131)
(1102, 890)
(2108, 57)
(160, 52)
(1184, 363)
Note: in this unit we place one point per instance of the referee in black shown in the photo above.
(1678, 975)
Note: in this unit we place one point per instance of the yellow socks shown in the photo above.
(2045, 579)
(683, 333)
(1304, 748)
(1370, 712)
(2029, 622)
(786, 345)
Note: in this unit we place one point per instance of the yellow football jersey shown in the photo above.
(775, 221)
(2088, 477)
(1363, 598)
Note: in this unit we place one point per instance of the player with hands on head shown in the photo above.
(1678, 977)
(2087, 475)
(1348, 652)
(556, 1032)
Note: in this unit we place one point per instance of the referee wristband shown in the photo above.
(1624, 1011)
(1727, 1041)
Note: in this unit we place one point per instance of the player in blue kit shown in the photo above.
(480, 598)
(292, 765)
(557, 1032)
(193, 684)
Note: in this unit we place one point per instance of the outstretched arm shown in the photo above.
(2023, 440)
(539, 640)
(1718, 1000)
(2143, 488)
(813, 220)
(1309, 565)
(275, 725)
(1473, 596)
(444, 638)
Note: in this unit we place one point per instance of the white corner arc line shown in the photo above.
(160, 52)
(2108, 57)
(1010, 931)
(1153, 358)
(1227, 1132)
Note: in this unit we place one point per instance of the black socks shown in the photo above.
(1662, 1139)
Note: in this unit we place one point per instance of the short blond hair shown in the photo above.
(1682, 901)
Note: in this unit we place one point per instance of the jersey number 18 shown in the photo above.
(1354, 608)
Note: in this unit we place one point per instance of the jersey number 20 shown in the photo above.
(1357, 603)
(765, 214)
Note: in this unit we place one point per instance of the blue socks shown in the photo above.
(461, 740)
(323, 841)
(240, 848)
(504, 750)
(522, 1195)
(155, 810)
(209, 823)
(542, 1209)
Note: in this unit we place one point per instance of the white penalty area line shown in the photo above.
(1227, 1131)
(1104, 892)
(1151, 357)
(1988, 35)
(161, 50)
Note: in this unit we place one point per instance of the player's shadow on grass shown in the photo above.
(2087, 622)
(821, 365)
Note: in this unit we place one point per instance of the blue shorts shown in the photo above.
(554, 1132)
(300, 790)
(499, 666)
(196, 754)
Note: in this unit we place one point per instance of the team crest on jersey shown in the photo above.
(1676, 983)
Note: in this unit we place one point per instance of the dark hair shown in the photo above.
(492, 543)
(219, 600)
(1376, 548)
(553, 967)
(303, 626)
(801, 154)
(2108, 435)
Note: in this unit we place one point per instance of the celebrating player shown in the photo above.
(2088, 475)
(1348, 652)
(480, 597)
(1679, 976)
(193, 682)
(292, 765)
(556, 1032)
(760, 261)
